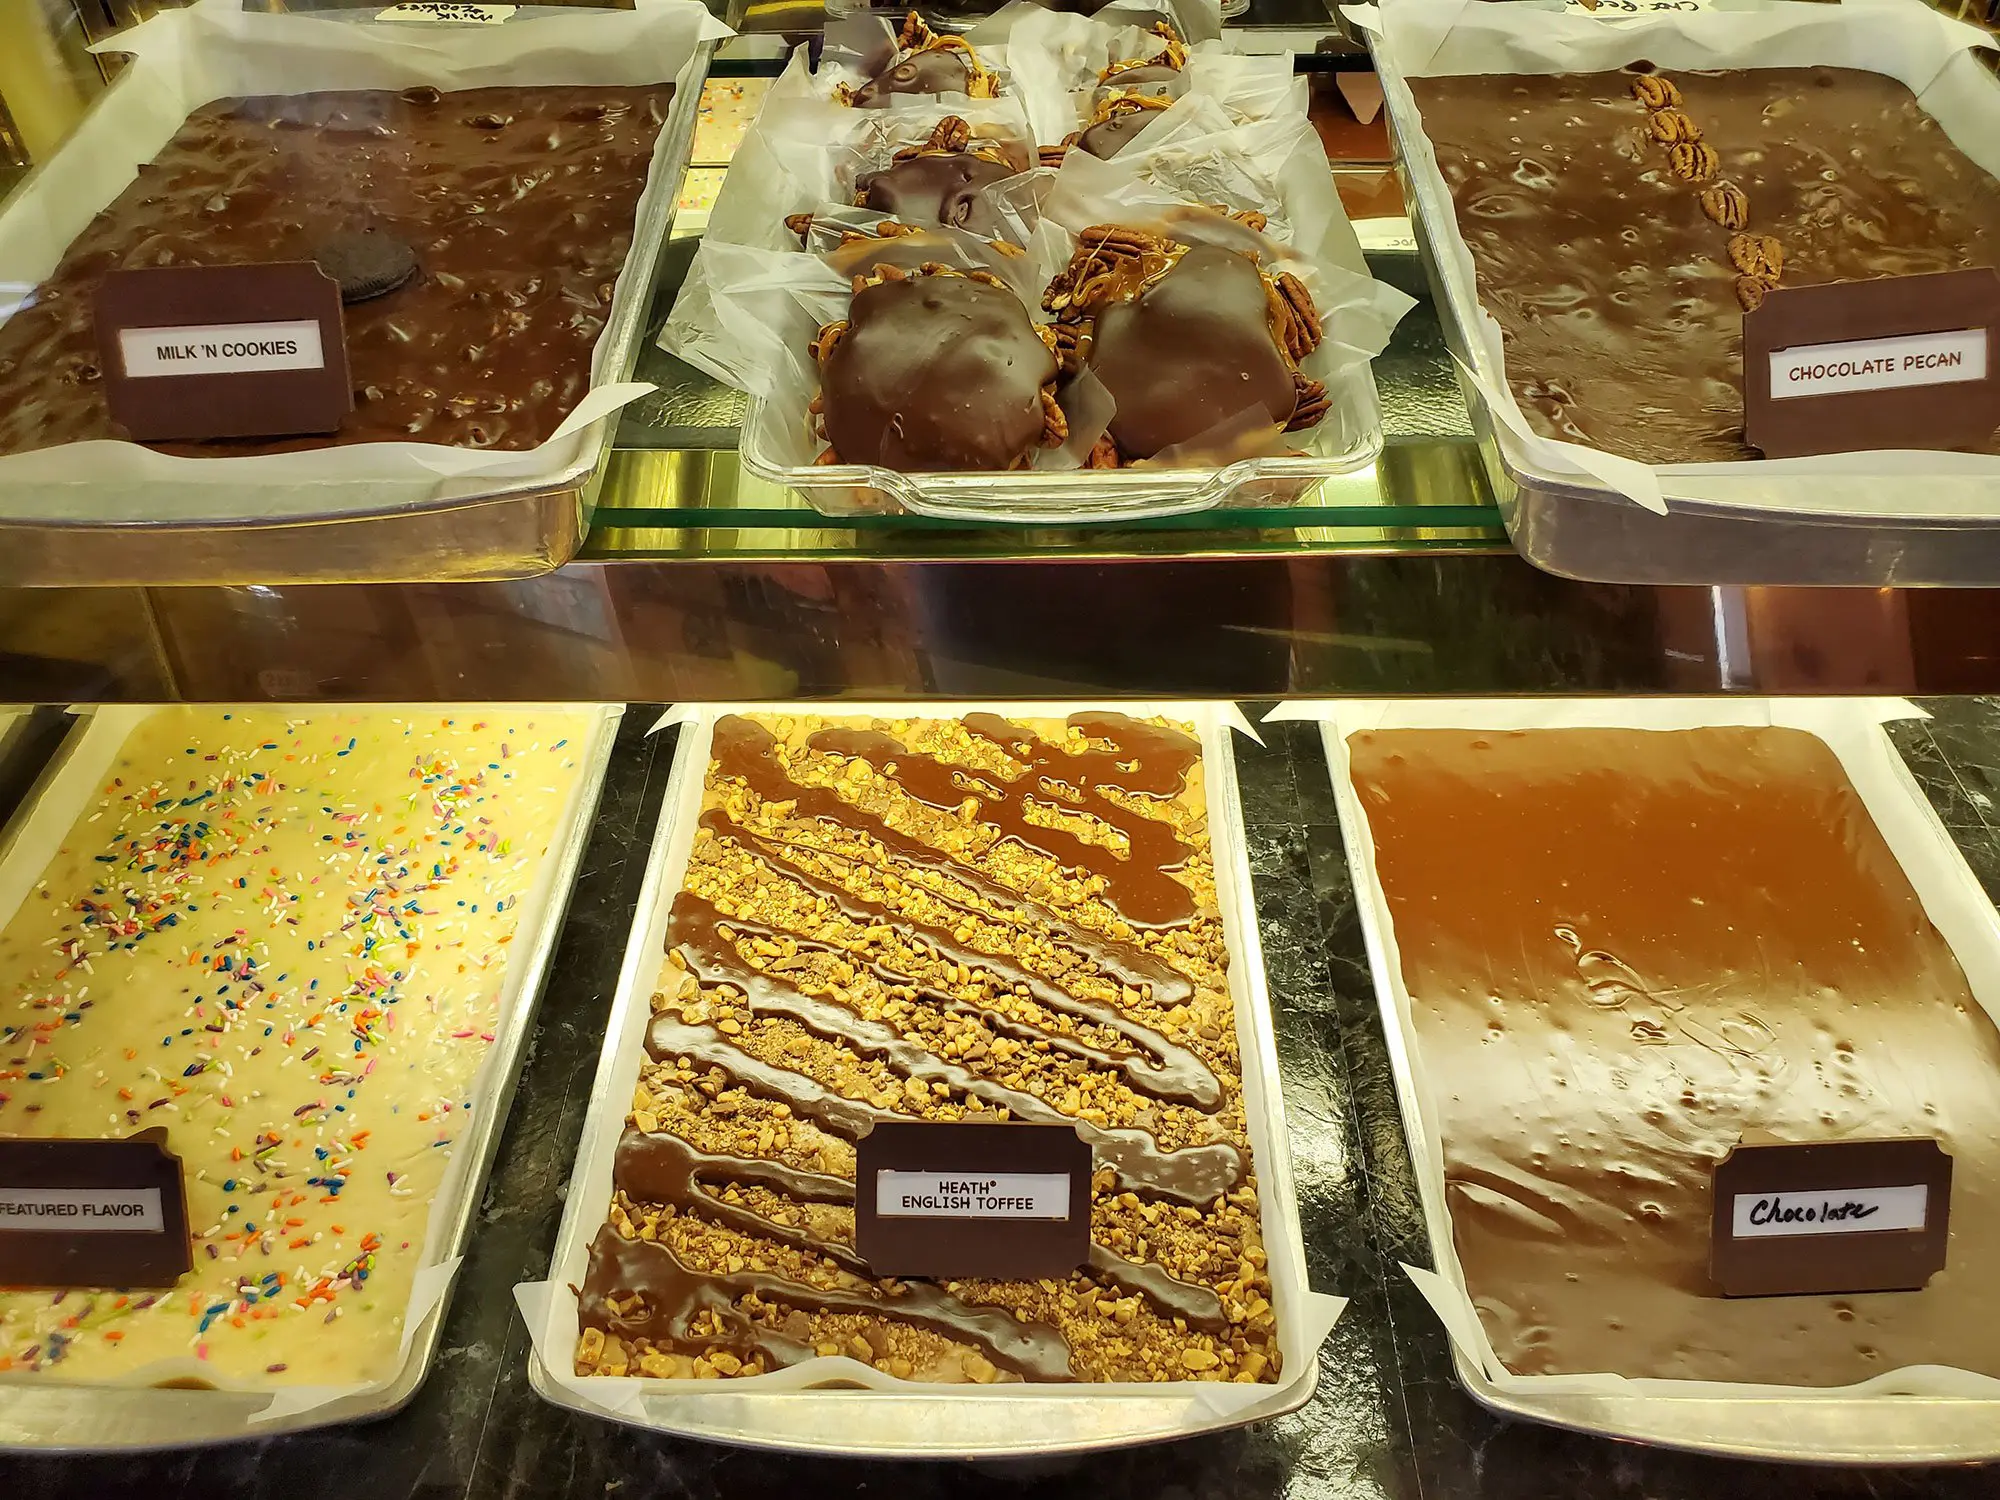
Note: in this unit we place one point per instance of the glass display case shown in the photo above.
(648, 566)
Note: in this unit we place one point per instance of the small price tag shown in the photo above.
(1839, 1216)
(1010, 1202)
(197, 352)
(1629, 10)
(92, 1213)
(1898, 362)
(449, 14)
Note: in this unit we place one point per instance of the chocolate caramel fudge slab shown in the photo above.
(1611, 281)
(1625, 949)
(981, 920)
(519, 204)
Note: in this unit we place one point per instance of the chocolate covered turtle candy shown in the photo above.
(1160, 76)
(924, 62)
(1188, 340)
(936, 370)
(1111, 127)
(940, 182)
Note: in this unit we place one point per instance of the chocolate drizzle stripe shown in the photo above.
(671, 1294)
(663, 1169)
(1166, 1071)
(742, 749)
(1136, 886)
(1196, 1175)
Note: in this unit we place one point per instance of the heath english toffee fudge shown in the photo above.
(984, 919)
(1625, 950)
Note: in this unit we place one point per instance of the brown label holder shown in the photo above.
(250, 404)
(1959, 415)
(70, 1257)
(1003, 1249)
(1791, 1264)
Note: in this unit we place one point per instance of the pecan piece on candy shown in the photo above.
(1726, 204)
(1757, 255)
(1670, 125)
(1750, 293)
(1655, 92)
(1695, 161)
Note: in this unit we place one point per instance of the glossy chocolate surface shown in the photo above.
(1143, 935)
(940, 70)
(1625, 949)
(1615, 290)
(936, 373)
(1190, 352)
(1108, 137)
(941, 187)
(519, 203)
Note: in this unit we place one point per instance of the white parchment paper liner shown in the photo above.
(184, 59)
(1305, 1317)
(1951, 896)
(43, 825)
(1905, 39)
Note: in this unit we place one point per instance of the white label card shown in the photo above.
(444, 10)
(81, 1211)
(942, 1195)
(1835, 1211)
(1879, 364)
(221, 349)
(1626, 10)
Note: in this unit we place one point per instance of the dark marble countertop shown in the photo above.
(1388, 1419)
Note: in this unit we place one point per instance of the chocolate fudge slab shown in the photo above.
(519, 203)
(1615, 290)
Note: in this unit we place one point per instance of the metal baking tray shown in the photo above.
(1810, 1428)
(1593, 533)
(63, 1417)
(464, 530)
(916, 1420)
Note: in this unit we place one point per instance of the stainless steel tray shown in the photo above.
(932, 1421)
(67, 1418)
(358, 533)
(1809, 1428)
(1590, 532)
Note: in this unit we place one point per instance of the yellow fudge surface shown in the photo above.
(283, 935)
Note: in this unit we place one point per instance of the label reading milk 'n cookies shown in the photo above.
(221, 349)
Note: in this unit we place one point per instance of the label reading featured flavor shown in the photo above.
(1879, 364)
(221, 349)
(1618, 10)
(81, 1210)
(1008, 1195)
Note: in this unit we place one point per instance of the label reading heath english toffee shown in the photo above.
(77, 1213)
(1006, 1201)
(1840, 1216)
(1898, 362)
(197, 352)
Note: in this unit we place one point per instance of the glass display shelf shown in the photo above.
(675, 487)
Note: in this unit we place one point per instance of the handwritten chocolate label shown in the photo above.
(86, 1213)
(1898, 362)
(1838, 1216)
(447, 12)
(1011, 1202)
(197, 352)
